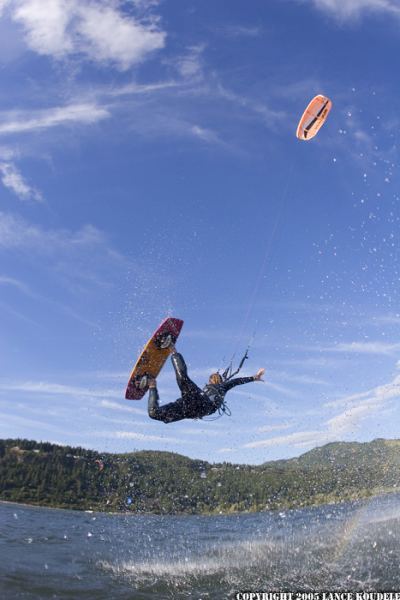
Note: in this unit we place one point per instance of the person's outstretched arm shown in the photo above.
(228, 385)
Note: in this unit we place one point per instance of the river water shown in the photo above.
(65, 554)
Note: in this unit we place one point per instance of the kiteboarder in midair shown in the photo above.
(194, 402)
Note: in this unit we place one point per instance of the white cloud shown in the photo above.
(8, 420)
(121, 407)
(391, 319)
(207, 135)
(276, 387)
(49, 388)
(302, 379)
(13, 180)
(269, 428)
(300, 438)
(3, 4)
(235, 31)
(365, 405)
(191, 65)
(144, 5)
(378, 394)
(366, 348)
(18, 233)
(359, 407)
(22, 121)
(349, 420)
(344, 9)
(82, 261)
(45, 23)
(15, 283)
(112, 38)
(25, 289)
(271, 118)
(135, 89)
(216, 334)
(133, 435)
(7, 154)
(95, 30)
(15, 313)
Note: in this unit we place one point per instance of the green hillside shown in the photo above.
(166, 483)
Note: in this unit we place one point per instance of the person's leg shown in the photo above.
(185, 384)
(195, 403)
(153, 406)
(168, 413)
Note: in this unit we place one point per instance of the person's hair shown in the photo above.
(215, 379)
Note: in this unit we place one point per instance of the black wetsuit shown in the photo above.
(194, 403)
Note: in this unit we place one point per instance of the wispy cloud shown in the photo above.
(270, 117)
(203, 334)
(57, 389)
(8, 419)
(359, 407)
(119, 376)
(300, 379)
(348, 9)
(300, 438)
(270, 385)
(81, 261)
(278, 427)
(45, 299)
(379, 394)
(207, 135)
(3, 4)
(142, 437)
(240, 31)
(137, 89)
(12, 122)
(14, 181)
(7, 154)
(391, 319)
(100, 32)
(122, 407)
(15, 232)
(349, 420)
(190, 65)
(375, 347)
(17, 314)
(16, 283)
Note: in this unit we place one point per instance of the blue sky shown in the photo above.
(149, 167)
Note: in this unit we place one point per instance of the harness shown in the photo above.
(227, 374)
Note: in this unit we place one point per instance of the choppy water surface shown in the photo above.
(64, 554)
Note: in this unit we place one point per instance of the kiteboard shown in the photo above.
(313, 117)
(152, 358)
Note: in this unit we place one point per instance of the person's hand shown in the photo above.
(152, 382)
(258, 376)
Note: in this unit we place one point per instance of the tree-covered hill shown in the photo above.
(162, 482)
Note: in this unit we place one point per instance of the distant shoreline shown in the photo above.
(39, 506)
(45, 475)
(205, 514)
